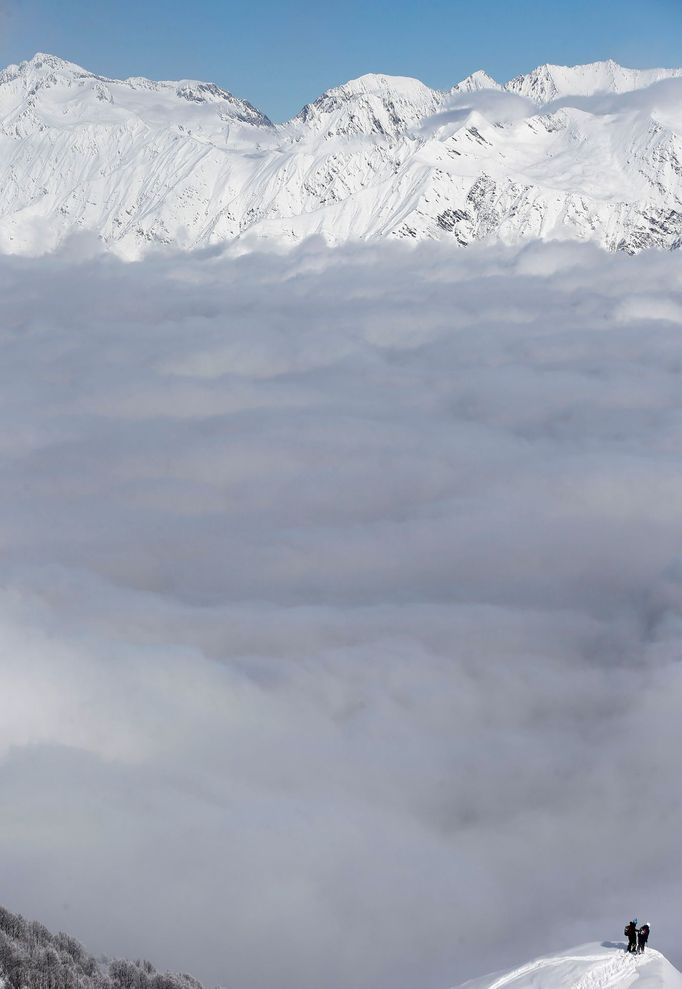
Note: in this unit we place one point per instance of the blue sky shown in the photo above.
(279, 55)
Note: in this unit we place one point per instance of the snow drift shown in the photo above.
(590, 966)
(589, 152)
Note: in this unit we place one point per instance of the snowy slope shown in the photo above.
(187, 164)
(591, 966)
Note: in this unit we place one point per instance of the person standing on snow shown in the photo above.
(642, 937)
(630, 933)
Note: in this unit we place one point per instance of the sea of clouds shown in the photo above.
(340, 607)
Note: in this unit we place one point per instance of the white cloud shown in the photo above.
(341, 612)
(649, 307)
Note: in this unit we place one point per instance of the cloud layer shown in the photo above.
(340, 607)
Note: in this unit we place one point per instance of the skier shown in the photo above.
(630, 933)
(642, 937)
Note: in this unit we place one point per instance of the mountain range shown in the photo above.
(591, 153)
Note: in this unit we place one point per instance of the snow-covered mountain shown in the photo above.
(475, 82)
(553, 82)
(591, 966)
(590, 152)
(372, 104)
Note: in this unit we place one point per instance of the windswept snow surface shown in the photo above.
(591, 966)
(590, 152)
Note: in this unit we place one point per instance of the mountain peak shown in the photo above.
(43, 72)
(377, 85)
(476, 81)
(41, 65)
(371, 104)
(550, 82)
(378, 82)
(51, 61)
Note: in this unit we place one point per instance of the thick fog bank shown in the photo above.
(340, 607)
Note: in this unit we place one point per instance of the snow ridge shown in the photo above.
(186, 164)
(590, 966)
